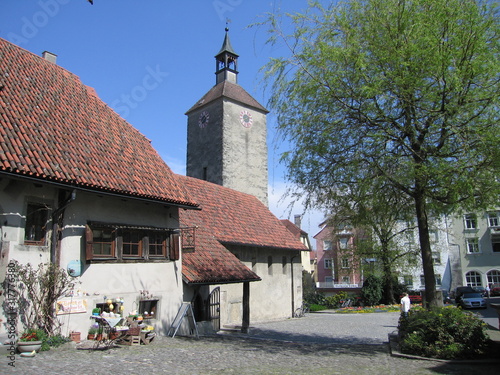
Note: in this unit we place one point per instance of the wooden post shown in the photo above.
(245, 324)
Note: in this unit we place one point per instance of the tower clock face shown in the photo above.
(246, 119)
(203, 119)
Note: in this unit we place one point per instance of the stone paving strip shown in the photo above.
(316, 344)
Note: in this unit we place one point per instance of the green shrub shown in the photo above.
(314, 298)
(371, 292)
(315, 307)
(446, 333)
(333, 302)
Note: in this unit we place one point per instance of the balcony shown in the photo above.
(333, 285)
(495, 231)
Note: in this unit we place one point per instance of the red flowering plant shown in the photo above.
(33, 334)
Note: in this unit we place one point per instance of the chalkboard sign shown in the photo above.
(185, 310)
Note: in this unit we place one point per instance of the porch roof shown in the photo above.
(228, 217)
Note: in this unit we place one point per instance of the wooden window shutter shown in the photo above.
(89, 242)
(174, 246)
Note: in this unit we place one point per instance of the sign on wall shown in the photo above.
(71, 306)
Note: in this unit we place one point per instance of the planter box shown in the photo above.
(28, 346)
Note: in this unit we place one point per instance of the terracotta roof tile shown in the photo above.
(55, 128)
(228, 217)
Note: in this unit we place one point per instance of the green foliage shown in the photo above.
(371, 292)
(391, 97)
(315, 307)
(56, 341)
(446, 333)
(333, 302)
(38, 290)
(314, 298)
(33, 334)
(36, 334)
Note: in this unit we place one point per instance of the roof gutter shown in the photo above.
(107, 193)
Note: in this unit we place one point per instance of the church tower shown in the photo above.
(227, 133)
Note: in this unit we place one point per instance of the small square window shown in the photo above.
(408, 280)
(327, 245)
(157, 244)
(470, 221)
(345, 263)
(148, 308)
(328, 264)
(36, 223)
(493, 220)
(132, 243)
(472, 245)
(103, 242)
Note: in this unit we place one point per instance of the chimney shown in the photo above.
(49, 56)
(297, 220)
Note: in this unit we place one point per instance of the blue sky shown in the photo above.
(151, 60)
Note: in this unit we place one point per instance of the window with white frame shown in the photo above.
(345, 262)
(472, 245)
(433, 235)
(346, 280)
(328, 279)
(328, 264)
(408, 280)
(493, 277)
(436, 257)
(473, 278)
(437, 279)
(493, 219)
(470, 221)
(327, 245)
(343, 242)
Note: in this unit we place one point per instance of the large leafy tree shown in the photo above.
(404, 91)
(384, 213)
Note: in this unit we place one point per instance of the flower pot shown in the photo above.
(28, 346)
(75, 336)
(91, 336)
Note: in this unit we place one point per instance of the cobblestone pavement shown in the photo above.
(316, 344)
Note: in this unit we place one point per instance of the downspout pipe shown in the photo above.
(293, 285)
(55, 227)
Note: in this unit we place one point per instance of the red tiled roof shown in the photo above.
(231, 91)
(228, 217)
(296, 231)
(54, 128)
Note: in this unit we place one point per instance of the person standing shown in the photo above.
(405, 305)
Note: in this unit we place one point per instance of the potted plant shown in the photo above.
(31, 340)
(92, 332)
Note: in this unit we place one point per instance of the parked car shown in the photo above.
(472, 301)
(481, 290)
(459, 291)
(495, 290)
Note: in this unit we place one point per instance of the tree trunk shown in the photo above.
(387, 276)
(425, 249)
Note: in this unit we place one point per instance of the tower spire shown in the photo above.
(226, 61)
